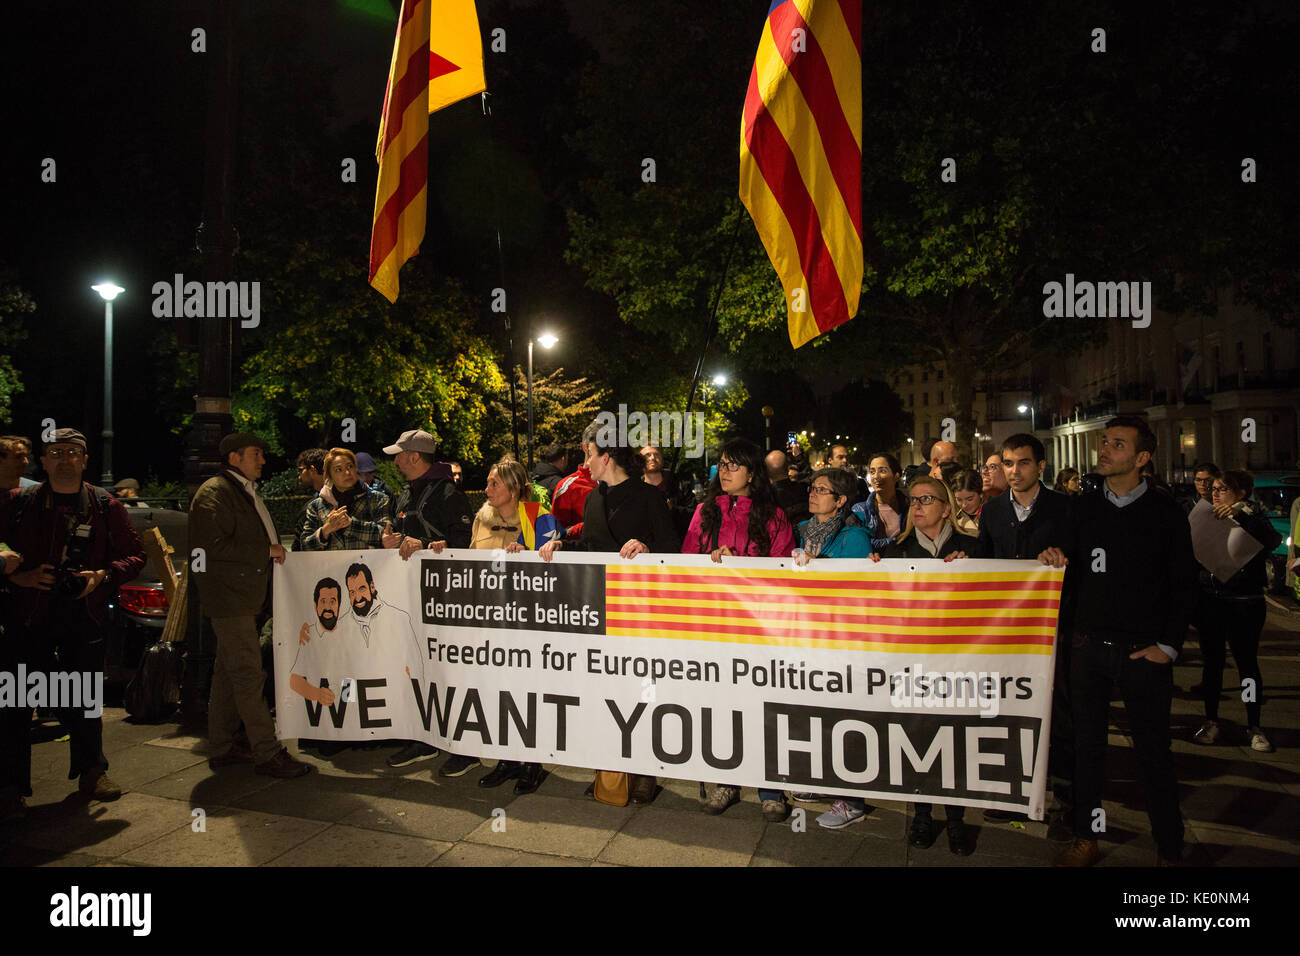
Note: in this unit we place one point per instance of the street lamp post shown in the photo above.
(1033, 424)
(768, 412)
(108, 291)
(545, 340)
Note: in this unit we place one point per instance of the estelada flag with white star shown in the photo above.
(437, 60)
(801, 158)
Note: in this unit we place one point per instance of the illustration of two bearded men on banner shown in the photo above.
(366, 640)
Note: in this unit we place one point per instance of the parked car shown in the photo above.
(137, 615)
(1277, 491)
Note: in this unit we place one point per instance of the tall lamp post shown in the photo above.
(1033, 425)
(768, 412)
(545, 340)
(108, 291)
(719, 381)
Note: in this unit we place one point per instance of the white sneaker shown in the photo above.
(1258, 741)
(840, 815)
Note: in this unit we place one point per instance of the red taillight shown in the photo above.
(151, 602)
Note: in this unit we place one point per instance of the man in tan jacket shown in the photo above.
(231, 525)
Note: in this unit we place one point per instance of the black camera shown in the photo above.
(76, 554)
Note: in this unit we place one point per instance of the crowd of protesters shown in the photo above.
(1122, 622)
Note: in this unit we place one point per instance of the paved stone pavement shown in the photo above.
(1241, 807)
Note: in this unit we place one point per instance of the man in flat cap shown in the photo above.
(128, 492)
(432, 508)
(76, 546)
(239, 541)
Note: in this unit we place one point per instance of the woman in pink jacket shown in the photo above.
(739, 516)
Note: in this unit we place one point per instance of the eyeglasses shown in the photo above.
(1219, 490)
(729, 466)
(64, 453)
(820, 491)
(924, 500)
(989, 467)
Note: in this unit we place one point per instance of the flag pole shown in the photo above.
(712, 330)
(501, 278)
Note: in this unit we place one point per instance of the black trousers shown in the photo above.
(1147, 690)
(1060, 756)
(68, 639)
(1225, 622)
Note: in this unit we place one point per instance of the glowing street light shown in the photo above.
(546, 340)
(108, 291)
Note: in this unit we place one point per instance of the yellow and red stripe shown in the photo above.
(941, 612)
(801, 158)
(403, 152)
(421, 80)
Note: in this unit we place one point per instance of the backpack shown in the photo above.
(154, 693)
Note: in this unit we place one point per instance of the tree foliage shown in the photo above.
(15, 305)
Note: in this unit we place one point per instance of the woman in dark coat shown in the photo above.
(930, 533)
(627, 515)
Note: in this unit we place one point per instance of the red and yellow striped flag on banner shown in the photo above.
(801, 158)
(436, 61)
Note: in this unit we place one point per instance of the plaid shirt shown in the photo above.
(369, 512)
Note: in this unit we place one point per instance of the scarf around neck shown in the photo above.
(817, 534)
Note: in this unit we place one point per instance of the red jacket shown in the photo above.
(39, 535)
(570, 498)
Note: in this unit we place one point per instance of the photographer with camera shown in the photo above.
(77, 546)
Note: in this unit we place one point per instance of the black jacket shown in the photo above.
(548, 476)
(432, 508)
(611, 517)
(1003, 535)
(792, 496)
(909, 547)
(1146, 592)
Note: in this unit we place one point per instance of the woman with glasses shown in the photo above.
(968, 494)
(514, 520)
(1231, 613)
(346, 515)
(739, 516)
(930, 533)
(1068, 482)
(831, 532)
(884, 512)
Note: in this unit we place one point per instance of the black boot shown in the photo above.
(922, 832)
(530, 778)
(503, 771)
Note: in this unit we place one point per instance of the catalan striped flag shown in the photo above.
(927, 612)
(425, 75)
(801, 158)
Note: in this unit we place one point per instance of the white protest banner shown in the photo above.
(911, 680)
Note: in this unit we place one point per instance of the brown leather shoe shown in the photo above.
(96, 785)
(1080, 852)
(643, 789)
(235, 755)
(282, 766)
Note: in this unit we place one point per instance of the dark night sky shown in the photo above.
(114, 94)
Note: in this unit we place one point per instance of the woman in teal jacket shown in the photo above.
(832, 531)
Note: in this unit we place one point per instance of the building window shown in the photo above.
(939, 376)
(925, 376)
(1241, 356)
(925, 398)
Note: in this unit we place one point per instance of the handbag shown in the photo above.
(611, 787)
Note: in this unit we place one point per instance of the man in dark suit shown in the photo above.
(238, 541)
(1020, 525)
